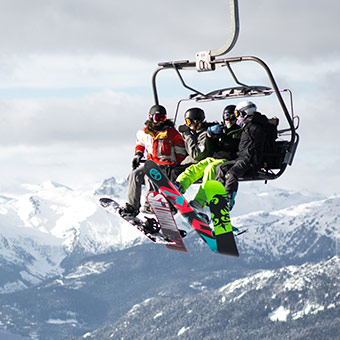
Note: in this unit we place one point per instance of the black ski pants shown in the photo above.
(228, 174)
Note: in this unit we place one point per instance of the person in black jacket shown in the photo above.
(223, 142)
(250, 151)
(224, 138)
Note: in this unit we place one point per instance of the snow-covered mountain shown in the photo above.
(69, 267)
(295, 302)
(40, 229)
(294, 233)
(51, 226)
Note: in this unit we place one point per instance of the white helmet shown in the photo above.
(245, 108)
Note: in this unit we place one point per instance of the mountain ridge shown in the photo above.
(285, 299)
(84, 284)
(52, 226)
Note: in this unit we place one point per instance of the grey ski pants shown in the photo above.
(136, 179)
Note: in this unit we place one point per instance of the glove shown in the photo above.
(136, 160)
(184, 129)
(214, 130)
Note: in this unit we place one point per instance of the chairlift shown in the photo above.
(207, 61)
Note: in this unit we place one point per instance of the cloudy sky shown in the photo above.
(75, 80)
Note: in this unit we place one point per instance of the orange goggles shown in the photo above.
(188, 121)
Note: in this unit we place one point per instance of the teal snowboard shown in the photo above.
(217, 202)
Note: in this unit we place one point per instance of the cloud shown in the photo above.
(75, 76)
(46, 71)
(106, 117)
(165, 30)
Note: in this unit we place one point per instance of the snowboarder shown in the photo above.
(163, 144)
(250, 152)
(223, 139)
(194, 133)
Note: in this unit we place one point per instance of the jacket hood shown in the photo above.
(257, 118)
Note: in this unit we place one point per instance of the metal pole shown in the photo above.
(235, 23)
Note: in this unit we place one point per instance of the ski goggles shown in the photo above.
(188, 121)
(159, 117)
(237, 113)
(229, 117)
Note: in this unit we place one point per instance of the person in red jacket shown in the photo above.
(163, 144)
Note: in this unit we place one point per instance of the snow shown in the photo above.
(280, 314)
(277, 227)
(40, 227)
(309, 308)
(237, 288)
(182, 331)
(134, 309)
(12, 287)
(158, 315)
(198, 286)
(43, 225)
(90, 268)
(60, 322)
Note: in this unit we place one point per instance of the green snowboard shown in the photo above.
(217, 202)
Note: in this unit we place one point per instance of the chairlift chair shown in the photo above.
(288, 139)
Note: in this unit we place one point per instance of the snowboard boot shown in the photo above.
(173, 208)
(231, 200)
(238, 232)
(182, 232)
(200, 211)
(128, 211)
(179, 187)
(147, 209)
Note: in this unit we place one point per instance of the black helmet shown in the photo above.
(157, 109)
(157, 113)
(229, 112)
(195, 113)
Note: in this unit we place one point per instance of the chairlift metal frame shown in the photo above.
(207, 61)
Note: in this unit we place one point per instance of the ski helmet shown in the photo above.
(229, 113)
(157, 113)
(195, 113)
(245, 108)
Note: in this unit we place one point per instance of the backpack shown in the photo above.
(272, 155)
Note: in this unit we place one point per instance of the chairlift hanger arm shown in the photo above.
(204, 59)
(235, 23)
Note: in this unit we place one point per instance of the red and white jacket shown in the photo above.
(165, 147)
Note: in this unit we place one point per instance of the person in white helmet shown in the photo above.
(250, 151)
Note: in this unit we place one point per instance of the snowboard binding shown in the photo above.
(151, 226)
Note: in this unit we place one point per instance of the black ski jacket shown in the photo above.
(252, 139)
(225, 145)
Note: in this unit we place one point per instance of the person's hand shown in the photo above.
(136, 160)
(184, 129)
(214, 130)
